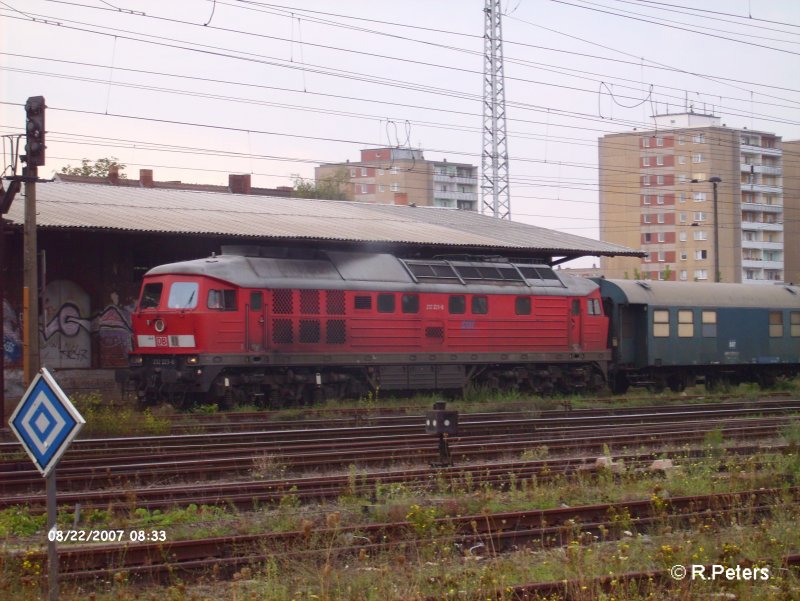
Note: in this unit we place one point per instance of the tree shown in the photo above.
(99, 169)
(332, 187)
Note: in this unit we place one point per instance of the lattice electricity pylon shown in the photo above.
(495, 193)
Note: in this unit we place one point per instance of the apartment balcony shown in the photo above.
(455, 179)
(762, 226)
(471, 196)
(759, 264)
(772, 152)
(763, 169)
(757, 207)
(760, 245)
(763, 188)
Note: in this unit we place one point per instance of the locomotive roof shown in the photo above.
(340, 270)
(279, 219)
(698, 294)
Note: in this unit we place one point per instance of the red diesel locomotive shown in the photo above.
(269, 326)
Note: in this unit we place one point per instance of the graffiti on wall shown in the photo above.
(69, 326)
(12, 352)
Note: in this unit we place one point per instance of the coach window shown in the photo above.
(457, 304)
(794, 322)
(410, 303)
(151, 296)
(222, 300)
(480, 305)
(775, 324)
(709, 324)
(183, 295)
(522, 305)
(386, 303)
(256, 301)
(661, 323)
(685, 324)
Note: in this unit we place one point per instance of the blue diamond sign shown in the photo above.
(45, 421)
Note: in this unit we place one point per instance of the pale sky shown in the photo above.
(197, 89)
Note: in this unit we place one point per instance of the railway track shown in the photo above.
(132, 474)
(493, 532)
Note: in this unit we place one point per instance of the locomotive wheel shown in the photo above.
(620, 384)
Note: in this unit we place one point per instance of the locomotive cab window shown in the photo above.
(576, 307)
(522, 305)
(151, 296)
(256, 301)
(480, 305)
(661, 323)
(593, 306)
(410, 303)
(457, 304)
(222, 300)
(183, 295)
(386, 303)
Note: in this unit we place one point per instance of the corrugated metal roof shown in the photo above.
(88, 206)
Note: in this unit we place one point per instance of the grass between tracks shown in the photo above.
(428, 564)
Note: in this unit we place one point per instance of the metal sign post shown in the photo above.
(46, 422)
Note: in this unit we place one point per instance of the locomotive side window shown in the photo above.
(410, 303)
(661, 323)
(593, 306)
(794, 321)
(480, 305)
(775, 324)
(386, 303)
(151, 296)
(256, 301)
(183, 295)
(457, 304)
(363, 302)
(522, 305)
(576, 307)
(686, 324)
(222, 300)
(709, 324)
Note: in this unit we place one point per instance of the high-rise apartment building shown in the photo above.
(791, 201)
(703, 201)
(403, 176)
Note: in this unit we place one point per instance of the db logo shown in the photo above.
(162, 341)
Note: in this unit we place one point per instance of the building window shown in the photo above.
(699, 138)
(682, 236)
(645, 180)
(699, 196)
(682, 217)
(645, 161)
(700, 255)
(660, 160)
(697, 158)
(686, 324)
(682, 179)
(699, 216)
(647, 258)
(660, 199)
(659, 141)
(363, 172)
(395, 187)
(662, 256)
(701, 274)
(701, 235)
(393, 170)
(659, 180)
(660, 218)
(646, 199)
(362, 188)
(684, 255)
(381, 172)
(661, 323)
(661, 237)
(681, 159)
(646, 218)
(646, 142)
(681, 140)
(683, 276)
(381, 188)
(352, 171)
(647, 238)
(682, 195)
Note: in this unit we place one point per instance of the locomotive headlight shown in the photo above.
(160, 325)
(135, 359)
(192, 360)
